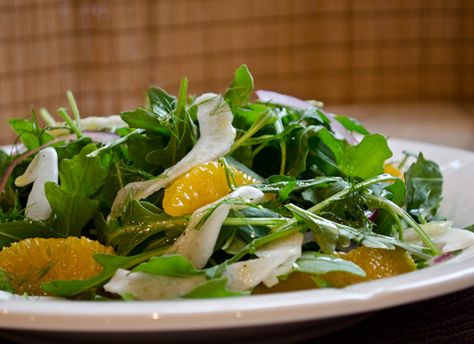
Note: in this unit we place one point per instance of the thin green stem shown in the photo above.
(115, 143)
(389, 205)
(264, 118)
(343, 193)
(62, 112)
(279, 129)
(47, 117)
(255, 221)
(74, 108)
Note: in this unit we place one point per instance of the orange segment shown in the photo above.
(390, 169)
(31, 262)
(377, 263)
(202, 185)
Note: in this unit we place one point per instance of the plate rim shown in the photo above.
(165, 316)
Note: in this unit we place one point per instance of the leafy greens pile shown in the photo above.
(318, 179)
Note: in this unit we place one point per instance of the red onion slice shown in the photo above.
(290, 101)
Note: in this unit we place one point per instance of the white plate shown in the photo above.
(220, 318)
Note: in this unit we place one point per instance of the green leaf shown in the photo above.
(241, 88)
(161, 103)
(352, 124)
(80, 178)
(141, 223)
(424, 183)
(5, 284)
(140, 145)
(71, 149)
(30, 134)
(298, 149)
(145, 119)
(212, 289)
(11, 232)
(366, 159)
(395, 192)
(169, 265)
(316, 263)
(366, 238)
(326, 233)
(337, 147)
(181, 131)
(470, 228)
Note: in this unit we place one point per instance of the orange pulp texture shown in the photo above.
(31, 262)
(202, 185)
(377, 263)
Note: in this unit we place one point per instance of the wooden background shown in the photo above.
(339, 51)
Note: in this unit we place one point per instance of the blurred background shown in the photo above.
(403, 67)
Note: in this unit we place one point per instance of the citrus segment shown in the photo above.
(202, 185)
(390, 169)
(31, 262)
(377, 263)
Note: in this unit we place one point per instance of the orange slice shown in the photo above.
(390, 169)
(377, 263)
(31, 262)
(202, 185)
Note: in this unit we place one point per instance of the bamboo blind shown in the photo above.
(339, 51)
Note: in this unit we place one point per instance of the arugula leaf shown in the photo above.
(298, 149)
(138, 148)
(71, 149)
(161, 103)
(169, 265)
(346, 233)
(326, 233)
(337, 147)
(145, 119)
(366, 159)
(5, 284)
(141, 222)
(396, 192)
(424, 183)
(29, 132)
(241, 88)
(158, 117)
(80, 178)
(470, 228)
(11, 232)
(212, 289)
(317, 263)
(352, 124)
(182, 134)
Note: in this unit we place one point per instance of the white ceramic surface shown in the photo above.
(213, 315)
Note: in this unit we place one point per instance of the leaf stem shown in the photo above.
(115, 143)
(341, 194)
(62, 112)
(47, 117)
(279, 129)
(389, 205)
(264, 118)
(74, 108)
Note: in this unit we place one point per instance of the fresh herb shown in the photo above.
(424, 188)
(80, 178)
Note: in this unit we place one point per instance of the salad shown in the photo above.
(215, 195)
